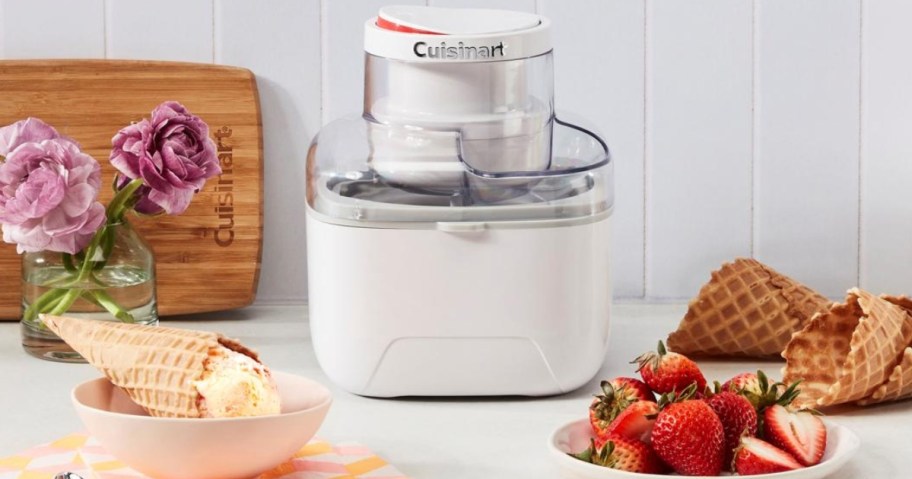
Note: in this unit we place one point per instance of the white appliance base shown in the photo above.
(426, 312)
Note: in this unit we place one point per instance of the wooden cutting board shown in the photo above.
(208, 259)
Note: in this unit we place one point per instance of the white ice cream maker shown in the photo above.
(458, 232)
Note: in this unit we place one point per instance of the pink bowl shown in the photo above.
(171, 448)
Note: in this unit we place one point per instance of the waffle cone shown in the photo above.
(155, 366)
(899, 383)
(903, 302)
(847, 352)
(746, 309)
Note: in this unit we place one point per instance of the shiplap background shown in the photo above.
(780, 129)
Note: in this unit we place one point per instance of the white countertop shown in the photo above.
(429, 438)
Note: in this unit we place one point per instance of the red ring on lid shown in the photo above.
(388, 25)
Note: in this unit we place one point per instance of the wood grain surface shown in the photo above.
(208, 259)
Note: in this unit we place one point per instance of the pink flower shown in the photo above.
(47, 193)
(173, 155)
(25, 131)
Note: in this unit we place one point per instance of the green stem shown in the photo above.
(118, 205)
(68, 262)
(61, 282)
(66, 301)
(85, 269)
(107, 246)
(105, 300)
(43, 302)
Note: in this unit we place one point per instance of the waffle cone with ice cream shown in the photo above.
(746, 309)
(173, 372)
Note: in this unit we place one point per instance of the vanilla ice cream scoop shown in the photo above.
(236, 385)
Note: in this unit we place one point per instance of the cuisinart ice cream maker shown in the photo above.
(458, 231)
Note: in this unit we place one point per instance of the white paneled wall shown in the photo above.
(886, 146)
(277, 43)
(139, 29)
(806, 139)
(773, 128)
(698, 140)
(52, 28)
(521, 5)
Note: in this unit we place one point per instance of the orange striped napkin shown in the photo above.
(81, 454)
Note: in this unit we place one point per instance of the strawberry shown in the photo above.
(665, 371)
(738, 418)
(756, 456)
(635, 422)
(633, 389)
(748, 383)
(757, 388)
(800, 433)
(616, 395)
(688, 435)
(623, 454)
(605, 407)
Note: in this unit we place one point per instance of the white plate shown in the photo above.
(574, 437)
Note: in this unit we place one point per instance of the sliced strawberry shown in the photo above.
(688, 436)
(665, 371)
(756, 456)
(635, 422)
(633, 389)
(606, 406)
(738, 418)
(800, 433)
(623, 454)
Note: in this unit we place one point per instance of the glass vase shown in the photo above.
(116, 282)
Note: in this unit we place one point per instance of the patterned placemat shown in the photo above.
(83, 455)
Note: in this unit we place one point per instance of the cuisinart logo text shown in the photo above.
(458, 52)
(224, 234)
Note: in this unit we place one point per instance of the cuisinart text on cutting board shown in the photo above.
(224, 234)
